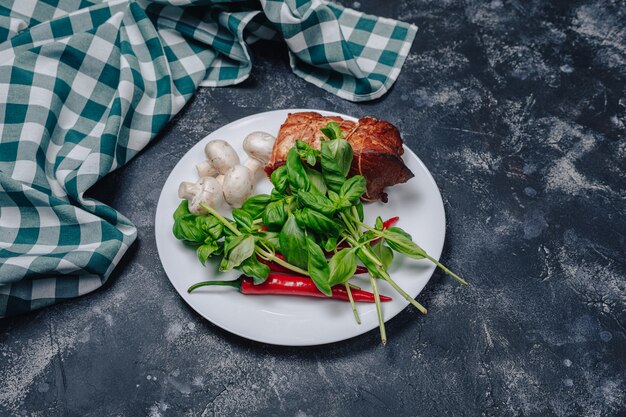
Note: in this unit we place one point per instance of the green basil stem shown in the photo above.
(353, 241)
(379, 311)
(446, 270)
(355, 214)
(430, 258)
(371, 229)
(396, 287)
(356, 313)
(234, 284)
(349, 224)
(221, 218)
(366, 251)
(273, 258)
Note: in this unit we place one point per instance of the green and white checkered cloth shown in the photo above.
(86, 84)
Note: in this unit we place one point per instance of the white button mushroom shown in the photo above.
(187, 190)
(207, 191)
(206, 169)
(258, 145)
(238, 184)
(221, 155)
(210, 194)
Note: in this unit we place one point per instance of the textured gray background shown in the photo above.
(518, 108)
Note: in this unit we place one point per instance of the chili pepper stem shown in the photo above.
(222, 219)
(379, 311)
(356, 313)
(446, 270)
(235, 284)
(272, 258)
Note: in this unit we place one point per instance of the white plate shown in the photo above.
(298, 321)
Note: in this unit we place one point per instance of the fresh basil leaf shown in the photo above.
(353, 188)
(342, 266)
(182, 221)
(330, 244)
(298, 179)
(182, 209)
(384, 253)
(243, 219)
(207, 249)
(269, 239)
(292, 242)
(256, 204)
(315, 221)
(336, 161)
(371, 266)
(317, 202)
(276, 195)
(328, 132)
(194, 229)
(239, 253)
(401, 241)
(339, 203)
(255, 269)
(191, 232)
(280, 179)
(316, 180)
(307, 152)
(291, 204)
(332, 130)
(223, 264)
(185, 229)
(367, 237)
(210, 225)
(317, 267)
(341, 151)
(232, 241)
(359, 209)
(274, 215)
(219, 250)
(379, 223)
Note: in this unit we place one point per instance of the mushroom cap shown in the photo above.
(187, 190)
(259, 145)
(206, 169)
(238, 185)
(221, 155)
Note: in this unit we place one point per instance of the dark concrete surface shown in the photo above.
(518, 108)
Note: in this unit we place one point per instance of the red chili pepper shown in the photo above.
(360, 269)
(283, 284)
(386, 225)
(390, 222)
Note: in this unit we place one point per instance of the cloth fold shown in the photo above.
(85, 85)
